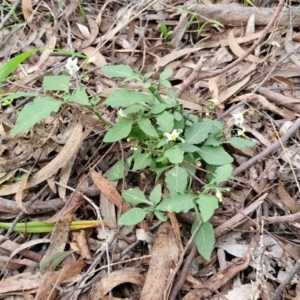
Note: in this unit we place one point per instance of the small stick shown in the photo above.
(268, 150)
(193, 76)
(250, 50)
(283, 219)
(290, 275)
(234, 221)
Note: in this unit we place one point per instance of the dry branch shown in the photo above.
(238, 15)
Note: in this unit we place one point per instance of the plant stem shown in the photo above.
(42, 227)
(95, 111)
(156, 94)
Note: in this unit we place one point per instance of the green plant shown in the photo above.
(42, 227)
(200, 27)
(165, 138)
(165, 32)
(10, 8)
(170, 142)
(42, 106)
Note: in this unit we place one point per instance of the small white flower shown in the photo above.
(71, 65)
(173, 135)
(121, 114)
(219, 195)
(238, 119)
(241, 132)
(91, 59)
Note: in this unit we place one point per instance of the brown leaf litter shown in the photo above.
(251, 66)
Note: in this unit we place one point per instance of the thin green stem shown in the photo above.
(95, 111)
(156, 94)
(42, 227)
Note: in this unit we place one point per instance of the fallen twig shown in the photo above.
(194, 76)
(8, 15)
(237, 15)
(220, 278)
(182, 276)
(268, 150)
(283, 219)
(258, 87)
(250, 50)
(287, 280)
(235, 221)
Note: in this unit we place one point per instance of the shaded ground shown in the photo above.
(250, 65)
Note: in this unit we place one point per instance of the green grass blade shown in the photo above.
(7, 68)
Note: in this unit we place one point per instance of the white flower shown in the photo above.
(121, 114)
(241, 132)
(219, 195)
(238, 119)
(173, 135)
(71, 65)
(91, 59)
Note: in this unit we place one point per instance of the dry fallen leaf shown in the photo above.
(288, 201)
(114, 279)
(109, 191)
(27, 9)
(164, 257)
(237, 49)
(70, 147)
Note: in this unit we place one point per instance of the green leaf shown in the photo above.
(136, 132)
(125, 98)
(165, 121)
(79, 96)
(177, 115)
(176, 179)
(221, 174)
(160, 216)
(19, 95)
(135, 197)
(146, 85)
(35, 111)
(212, 140)
(141, 160)
(204, 239)
(177, 203)
(53, 260)
(198, 132)
(118, 131)
(159, 171)
(189, 163)
(148, 128)
(167, 73)
(186, 147)
(240, 143)
(7, 68)
(148, 74)
(133, 109)
(166, 83)
(163, 29)
(56, 83)
(133, 217)
(207, 205)
(155, 195)
(117, 171)
(121, 71)
(215, 155)
(157, 108)
(174, 155)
